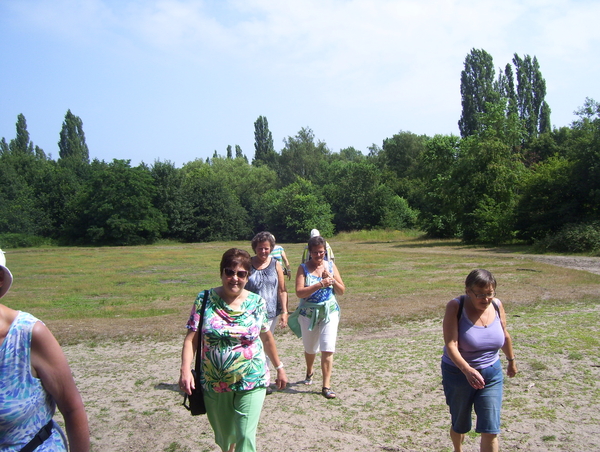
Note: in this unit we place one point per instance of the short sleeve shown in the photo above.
(194, 319)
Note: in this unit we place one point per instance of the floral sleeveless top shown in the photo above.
(233, 358)
(25, 406)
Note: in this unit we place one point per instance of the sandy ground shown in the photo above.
(389, 396)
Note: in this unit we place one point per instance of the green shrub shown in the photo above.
(572, 238)
(13, 240)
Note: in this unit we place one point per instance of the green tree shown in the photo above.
(212, 211)
(301, 157)
(478, 89)
(247, 182)
(531, 93)
(239, 154)
(72, 145)
(548, 200)
(169, 196)
(438, 207)
(21, 144)
(401, 152)
(264, 151)
(115, 207)
(291, 213)
(359, 199)
(485, 185)
(586, 157)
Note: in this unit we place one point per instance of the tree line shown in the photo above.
(508, 177)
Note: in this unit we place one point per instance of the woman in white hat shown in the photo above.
(36, 378)
(328, 251)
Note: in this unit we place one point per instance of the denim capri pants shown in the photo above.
(461, 397)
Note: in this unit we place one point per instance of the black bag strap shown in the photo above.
(39, 438)
(199, 336)
(198, 367)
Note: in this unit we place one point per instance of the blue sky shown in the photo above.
(178, 79)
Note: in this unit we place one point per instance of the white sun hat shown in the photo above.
(7, 280)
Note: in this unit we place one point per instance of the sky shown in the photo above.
(177, 80)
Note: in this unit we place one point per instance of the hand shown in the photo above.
(281, 380)
(474, 378)
(283, 321)
(511, 369)
(186, 382)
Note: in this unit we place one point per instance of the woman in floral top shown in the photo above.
(235, 339)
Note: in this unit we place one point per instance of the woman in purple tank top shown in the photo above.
(474, 332)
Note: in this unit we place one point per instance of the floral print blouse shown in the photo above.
(233, 358)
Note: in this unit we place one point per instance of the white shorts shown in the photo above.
(322, 337)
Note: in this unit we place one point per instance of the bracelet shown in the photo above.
(510, 359)
(322, 285)
(284, 312)
(280, 366)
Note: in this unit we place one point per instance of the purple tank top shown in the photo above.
(478, 345)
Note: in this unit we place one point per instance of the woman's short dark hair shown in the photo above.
(316, 241)
(263, 237)
(234, 257)
(480, 278)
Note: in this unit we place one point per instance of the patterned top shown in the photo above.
(25, 406)
(321, 303)
(277, 253)
(233, 358)
(265, 283)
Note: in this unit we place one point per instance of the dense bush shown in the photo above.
(572, 238)
(14, 240)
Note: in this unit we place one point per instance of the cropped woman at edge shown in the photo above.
(35, 379)
(474, 331)
(235, 340)
(318, 281)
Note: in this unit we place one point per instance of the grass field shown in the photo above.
(391, 277)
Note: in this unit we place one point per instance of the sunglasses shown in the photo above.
(241, 274)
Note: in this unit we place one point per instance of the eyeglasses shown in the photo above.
(481, 296)
(241, 274)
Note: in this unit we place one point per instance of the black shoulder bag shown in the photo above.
(196, 400)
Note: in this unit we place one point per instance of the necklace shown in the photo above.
(485, 322)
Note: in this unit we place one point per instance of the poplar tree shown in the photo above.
(72, 145)
(264, 151)
(477, 88)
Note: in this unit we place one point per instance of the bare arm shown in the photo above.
(450, 328)
(186, 379)
(337, 282)
(304, 292)
(51, 367)
(507, 348)
(285, 259)
(282, 295)
(271, 350)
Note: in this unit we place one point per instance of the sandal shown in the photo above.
(308, 379)
(328, 393)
